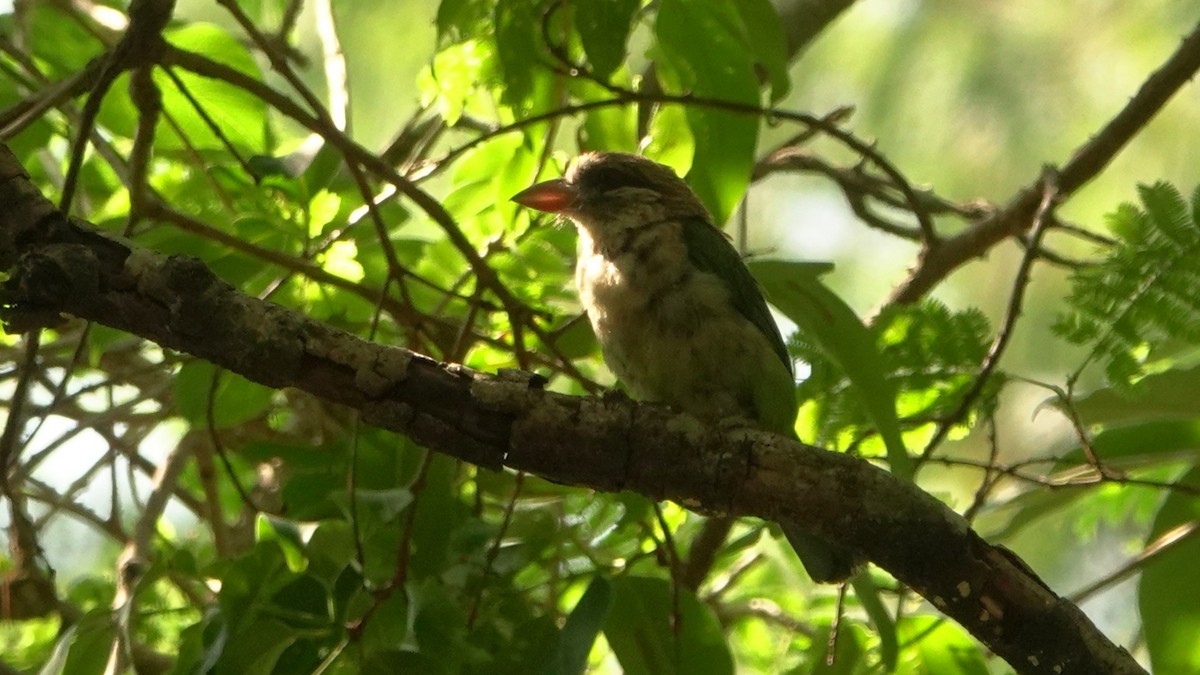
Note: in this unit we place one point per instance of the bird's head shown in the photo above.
(609, 188)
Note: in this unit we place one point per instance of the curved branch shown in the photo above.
(1088, 161)
(60, 267)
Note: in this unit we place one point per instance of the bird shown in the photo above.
(679, 318)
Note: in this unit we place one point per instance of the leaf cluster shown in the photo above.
(929, 355)
(1143, 297)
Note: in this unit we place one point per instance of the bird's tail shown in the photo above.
(825, 562)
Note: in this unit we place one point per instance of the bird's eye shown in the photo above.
(602, 179)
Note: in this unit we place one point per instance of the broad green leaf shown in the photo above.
(1171, 393)
(387, 628)
(240, 115)
(453, 77)
(385, 505)
(90, 643)
(37, 134)
(1138, 444)
(256, 648)
(885, 627)
(304, 604)
(576, 339)
(603, 27)
(848, 656)
(717, 66)
(330, 549)
(401, 661)
(796, 290)
(1007, 521)
(320, 168)
(612, 127)
(57, 663)
(765, 38)
(234, 400)
(1168, 595)
(437, 625)
(671, 141)
(61, 45)
(582, 626)
(212, 638)
(457, 19)
(639, 630)
(439, 512)
(316, 475)
(1128, 446)
(286, 535)
(517, 49)
(941, 646)
(248, 582)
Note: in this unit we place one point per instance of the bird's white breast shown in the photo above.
(667, 329)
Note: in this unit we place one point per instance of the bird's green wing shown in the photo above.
(710, 251)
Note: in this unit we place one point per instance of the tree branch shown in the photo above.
(60, 266)
(936, 263)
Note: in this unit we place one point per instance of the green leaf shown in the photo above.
(796, 290)
(234, 401)
(517, 43)
(868, 594)
(304, 603)
(941, 647)
(765, 38)
(1144, 295)
(639, 630)
(58, 661)
(387, 628)
(1138, 444)
(582, 626)
(438, 625)
(256, 648)
(385, 505)
(440, 512)
(330, 549)
(63, 46)
(671, 141)
(240, 115)
(700, 51)
(611, 127)
(603, 27)
(454, 76)
(849, 653)
(576, 339)
(1168, 596)
(458, 19)
(1026, 509)
(286, 535)
(1171, 393)
(1129, 446)
(83, 648)
(1168, 210)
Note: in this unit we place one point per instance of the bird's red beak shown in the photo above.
(552, 196)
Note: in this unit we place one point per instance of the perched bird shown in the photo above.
(679, 318)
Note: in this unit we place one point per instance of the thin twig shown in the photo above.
(1088, 161)
(1155, 549)
(1015, 302)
